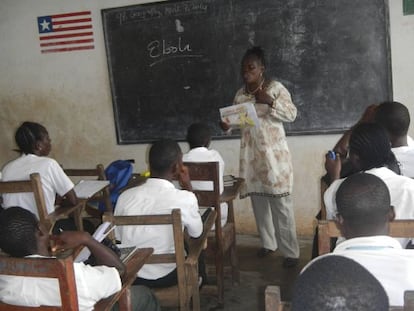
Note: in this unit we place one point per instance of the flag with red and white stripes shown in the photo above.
(66, 32)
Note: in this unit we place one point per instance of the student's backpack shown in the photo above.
(118, 173)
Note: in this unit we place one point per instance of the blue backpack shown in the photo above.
(118, 173)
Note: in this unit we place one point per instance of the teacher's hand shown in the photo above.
(224, 126)
(263, 98)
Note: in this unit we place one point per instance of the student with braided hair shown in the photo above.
(370, 152)
(34, 144)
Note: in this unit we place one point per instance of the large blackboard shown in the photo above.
(173, 63)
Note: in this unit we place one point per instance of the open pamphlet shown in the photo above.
(100, 233)
(87, 188)
(239, 116)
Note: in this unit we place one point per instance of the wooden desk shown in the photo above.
(229, 194)
(133, 264)
(87, 190)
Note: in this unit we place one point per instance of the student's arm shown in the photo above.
(70, 198)
(342, 145)
(102, 254)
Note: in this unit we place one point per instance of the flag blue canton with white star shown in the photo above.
(45, 24)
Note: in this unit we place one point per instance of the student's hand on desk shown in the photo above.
(333, 167)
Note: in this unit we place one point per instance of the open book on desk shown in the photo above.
(100, 233)
(87, 188)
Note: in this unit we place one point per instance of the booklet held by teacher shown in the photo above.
(239, 116)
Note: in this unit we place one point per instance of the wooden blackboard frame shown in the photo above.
(324, 107)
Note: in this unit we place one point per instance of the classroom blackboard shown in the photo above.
(174, 63)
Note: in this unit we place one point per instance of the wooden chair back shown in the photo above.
(273, 301)
(62, 270)
(98, 172)
(33, 185)
(223, 240)
(186, 291)
(328, 229)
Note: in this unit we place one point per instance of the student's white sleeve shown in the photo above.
(329, 198)
(191, 218)
(94, 283)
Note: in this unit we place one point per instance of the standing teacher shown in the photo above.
(265, 161)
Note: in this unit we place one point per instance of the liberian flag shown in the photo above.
(65, 32)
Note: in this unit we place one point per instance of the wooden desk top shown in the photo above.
(133, 264)
(231, 192)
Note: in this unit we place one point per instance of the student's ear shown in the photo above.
(391, 213)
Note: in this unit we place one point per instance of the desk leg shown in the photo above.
(234, 260)
(125, 300)
(77, 214)
(107, 200)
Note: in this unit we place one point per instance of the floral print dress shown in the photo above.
(265, 161)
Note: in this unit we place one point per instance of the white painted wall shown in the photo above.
(69, 93)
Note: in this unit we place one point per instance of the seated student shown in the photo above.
(199, 137)
(336, 283)
(35, 145)
(21, 235)
(370, 151)
(158, 195)
(395, 118)
(364, 213)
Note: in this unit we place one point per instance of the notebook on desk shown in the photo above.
(126, 251)
(100, 233)
(85, 189)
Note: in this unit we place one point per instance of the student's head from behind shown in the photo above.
(364, 206)
(165, 157)
(394, 117)
(21, 234)
(198, 135)
(33, 138)
(336, 283)
(253, 65)
(370, 147)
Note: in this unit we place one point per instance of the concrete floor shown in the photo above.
(255, 274)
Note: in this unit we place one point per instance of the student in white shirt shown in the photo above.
(370, 151)
(364, 213)
(21, 235)
(395, 117)
(35, 145)
(158, 195)
(199, 138)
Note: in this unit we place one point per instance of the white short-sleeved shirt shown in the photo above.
(385, 259)
(401, 190)
(405, 156)
(157, 196)
(54, 181)
(92, 285)
(202, 154)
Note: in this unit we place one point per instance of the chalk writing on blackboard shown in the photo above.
(173, 63)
